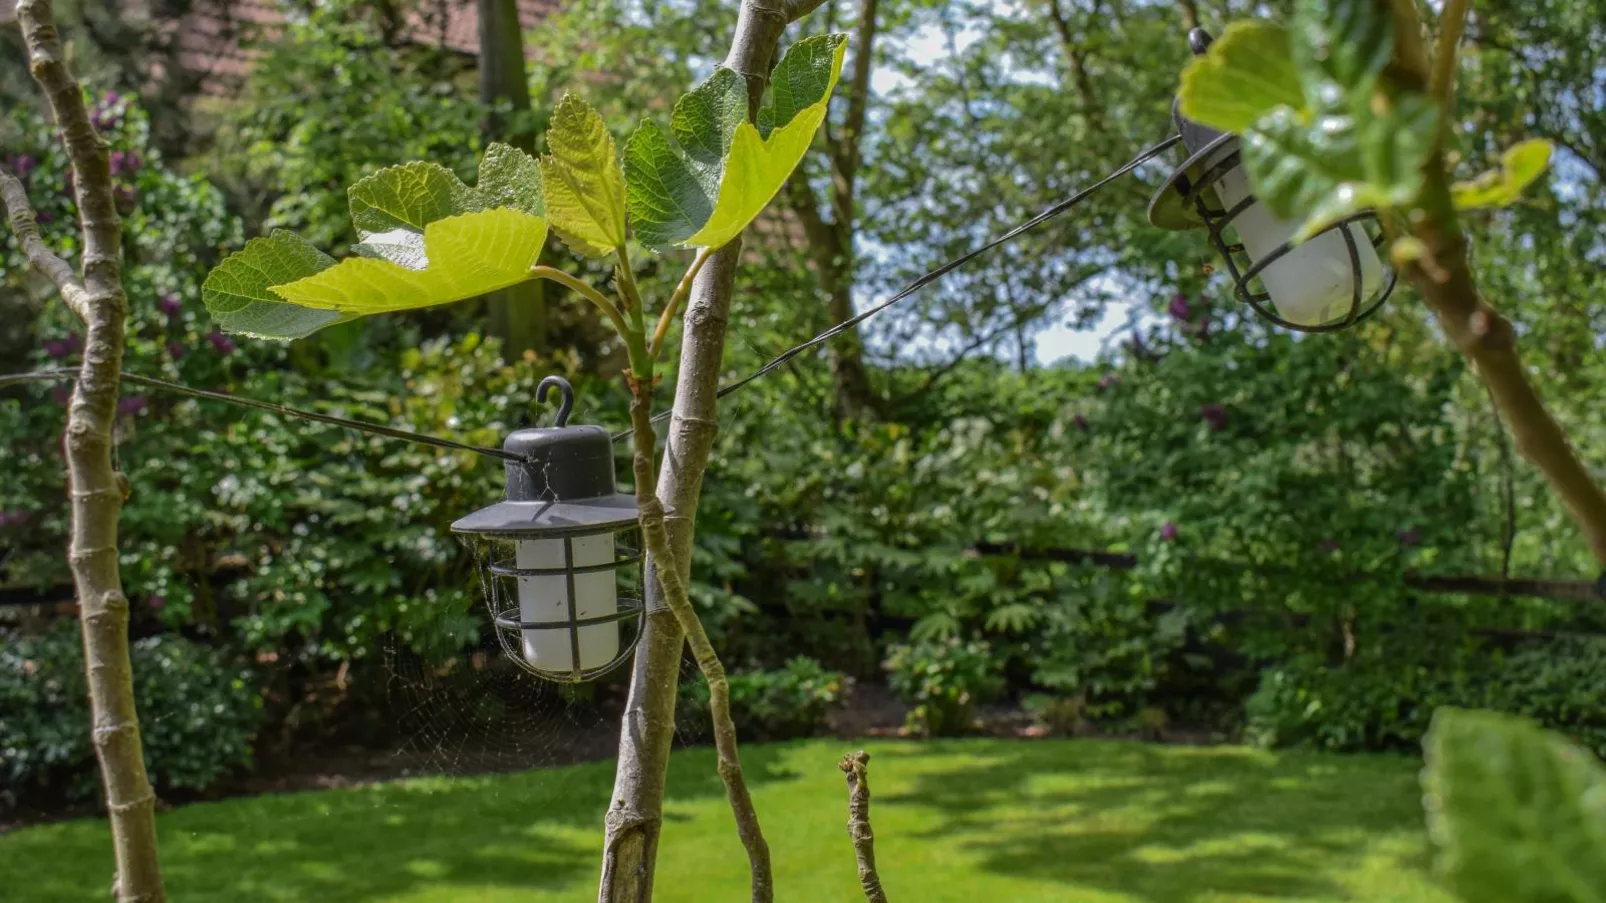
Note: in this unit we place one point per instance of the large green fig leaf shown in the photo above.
(584, 186)
(1247, 73)
(702, 184)
(391, 207)
(510, 177)
(238, 291)
(426, 239)
(1517, 813)
(671, 183)
(469, 255)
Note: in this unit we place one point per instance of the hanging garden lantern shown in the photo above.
(1331, 281)
(550, 559)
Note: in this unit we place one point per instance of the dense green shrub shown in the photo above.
(944, 681)
(1387, 701)
(779, 704)
(199, 713)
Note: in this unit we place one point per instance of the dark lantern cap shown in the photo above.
(562, 485)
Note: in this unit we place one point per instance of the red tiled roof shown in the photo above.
(209, 37)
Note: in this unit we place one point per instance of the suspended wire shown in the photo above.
(781, 359)
(770, 366)
(363, 426)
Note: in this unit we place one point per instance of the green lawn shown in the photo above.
(975, 821)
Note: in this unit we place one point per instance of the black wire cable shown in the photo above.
(779, 360)
(359, 425)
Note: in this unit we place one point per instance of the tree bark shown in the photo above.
(635, 817)
(95, 487)
(1189, 10)
(831, 242)
(517, 314)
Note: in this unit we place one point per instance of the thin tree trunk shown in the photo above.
(1190, 14)
(95, 487)
(635, 817)
(1444, 277)
(854, 396)
(517, 314)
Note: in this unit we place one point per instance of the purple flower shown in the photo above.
(170, 304)
(126, 195)
(221, 343)
(132, 405)
(1169, 532)
(1178, 308)
(1410, 538)
(157, 603)
(57, 349)
(61, 394)
(21, 164)
(123, 162)
(1081, 422)
(14, 518)
(1215, 415)
(106, 114)
(44, 216)
(176, 350)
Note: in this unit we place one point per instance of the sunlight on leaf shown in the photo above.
(701, 184)
(408, 197)
(671, 184)
(758, 165)
(1247, 73)
(1520, 166)
(1517, 813)
(238, 292)
(582, 181)
(511, 178)
(470, 255)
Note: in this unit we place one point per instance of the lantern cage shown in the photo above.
(1334, 279)
(559, 559)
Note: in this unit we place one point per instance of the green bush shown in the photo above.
(1387, 701)
(944, 680)
(780, 704)
(199, 713)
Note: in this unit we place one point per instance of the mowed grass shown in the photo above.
(968, 821)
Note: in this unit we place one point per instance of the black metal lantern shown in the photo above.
(551, 561)
(1329, 282)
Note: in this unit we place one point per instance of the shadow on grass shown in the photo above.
(1165, 824)
(530, 831)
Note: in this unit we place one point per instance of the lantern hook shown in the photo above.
(565, 405)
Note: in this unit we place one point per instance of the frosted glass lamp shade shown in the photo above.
(1331, 281)
(545, 599)
(1314, 283)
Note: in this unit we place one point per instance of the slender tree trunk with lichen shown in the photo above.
(635, 816)
(96, 489)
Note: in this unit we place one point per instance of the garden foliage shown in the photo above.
(1274, 490)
